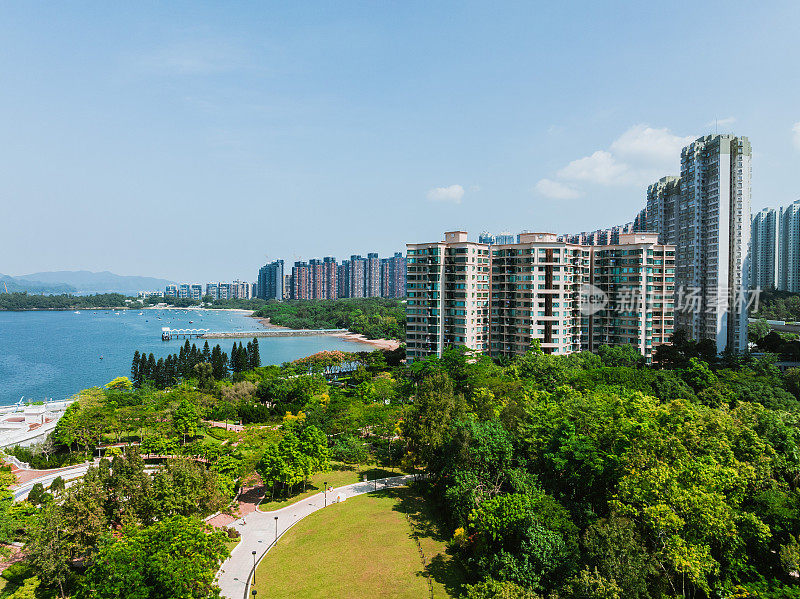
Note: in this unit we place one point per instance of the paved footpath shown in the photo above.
(258, 531)
(31, 477)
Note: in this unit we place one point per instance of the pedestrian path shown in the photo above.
(260, 530)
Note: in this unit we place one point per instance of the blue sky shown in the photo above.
(195, 140)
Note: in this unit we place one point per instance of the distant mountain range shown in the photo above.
(82, 282)
(14, 284)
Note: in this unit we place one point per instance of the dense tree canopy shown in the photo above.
(373, 317)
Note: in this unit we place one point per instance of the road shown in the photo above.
(259, 531)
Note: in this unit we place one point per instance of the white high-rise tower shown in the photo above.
(706, 215)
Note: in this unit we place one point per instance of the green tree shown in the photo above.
(185, 419)
(177, 558)
(435, 407)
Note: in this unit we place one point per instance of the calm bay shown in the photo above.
(56, 354)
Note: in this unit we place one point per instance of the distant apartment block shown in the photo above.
(358, 276)
(147, 294)
(331, 276)
(353, 278)
(270, 281)
(775, 248)
(372, 275)
(764, 249)
(343, 279)
(789, 248)
(498, 299)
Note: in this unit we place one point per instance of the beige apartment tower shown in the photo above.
(500, 299)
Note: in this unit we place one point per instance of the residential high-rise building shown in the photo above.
(358, 276)
(301, 281)
(397, 275)
(393, 276)
(171, 291)
(224, 291)
(663, 198)
(287, 286)
(196, 291)
(317, 276)
(270, 281)
(331, 277)
(637, 277)
(499, 299)
(764, 249)
(385, 277)
(535, 294)
(373, 275)
(184, 291)
(710, 229)
(240, 289)
(212, 290)
(343, 277)
(789, 248)
(486, 237)
(448, 295)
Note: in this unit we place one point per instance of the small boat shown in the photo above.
(101, 357)
(77, 311)
(191, 322)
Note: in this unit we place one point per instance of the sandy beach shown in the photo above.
(388, 344)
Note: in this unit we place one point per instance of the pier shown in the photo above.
(168, 333)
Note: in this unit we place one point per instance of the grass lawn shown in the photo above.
(338, 476)
(363, 547)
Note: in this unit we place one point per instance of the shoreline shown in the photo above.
(387, 344)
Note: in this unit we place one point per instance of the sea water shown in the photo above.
(54, 354)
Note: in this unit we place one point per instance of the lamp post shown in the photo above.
(276, 529)
(254, 593)
(326, 493)
(254, 567)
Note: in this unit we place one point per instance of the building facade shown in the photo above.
(270, 281)
(637, 277)
(764, 250)
(500, 299)
(373, 275)
(789, 248)
(705, 214)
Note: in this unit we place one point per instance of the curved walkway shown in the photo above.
(260, 530)
(69, 474)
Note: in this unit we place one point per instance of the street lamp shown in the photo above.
(326, 493)
(254, 592)
(276, 529)
(254, 567)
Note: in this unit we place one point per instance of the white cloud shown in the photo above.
(451, 193)
(730, 120)
(555, 190)
(796, 134)
(646, 146)
(639, 156)
(600, 167)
